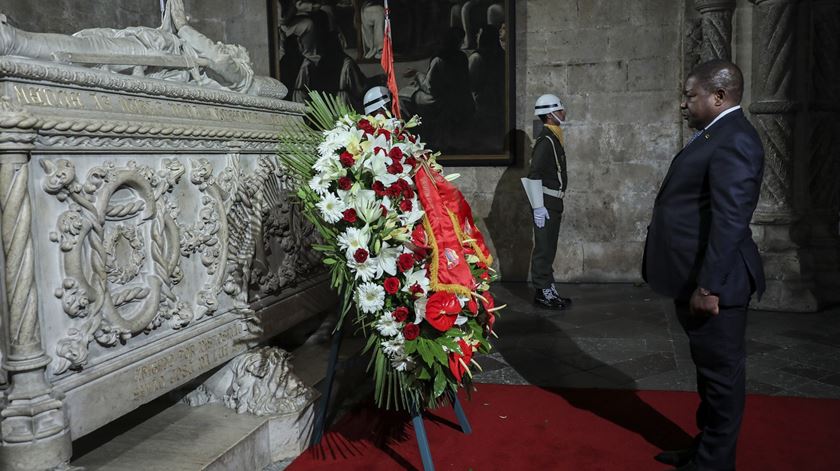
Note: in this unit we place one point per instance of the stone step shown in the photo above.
(210, 437)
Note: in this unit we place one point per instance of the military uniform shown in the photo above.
(548, 163)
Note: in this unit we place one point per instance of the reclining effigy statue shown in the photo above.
(174, 51)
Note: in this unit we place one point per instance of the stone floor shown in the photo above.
(624, 336)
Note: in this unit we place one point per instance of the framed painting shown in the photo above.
(454, 61)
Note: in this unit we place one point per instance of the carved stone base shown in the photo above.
(788, 267)
(40, 455)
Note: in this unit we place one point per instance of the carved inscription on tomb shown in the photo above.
(186, 362)
(42, 96)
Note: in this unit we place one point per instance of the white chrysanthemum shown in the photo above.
(387, 259)
(416, 277)
(394, 347)
(387, 326)
(403, 363)
(331, 207)
(327, 164)
(370, 297)
(365, 271)
(353, 239)
(320, 184)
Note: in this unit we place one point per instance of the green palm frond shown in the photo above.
(298, 142)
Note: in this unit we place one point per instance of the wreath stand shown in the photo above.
(415, 411)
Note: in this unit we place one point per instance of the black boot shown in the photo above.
(546, 298)
(566, 301)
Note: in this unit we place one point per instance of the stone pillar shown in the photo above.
(823, 148)
(716, 18)
(34, 433)
(789, 284)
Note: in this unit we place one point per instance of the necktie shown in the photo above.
(693, 137)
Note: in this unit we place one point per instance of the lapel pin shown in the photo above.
(707, 136)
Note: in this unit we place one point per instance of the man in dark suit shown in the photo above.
(699, 251)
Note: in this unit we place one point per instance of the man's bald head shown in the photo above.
(718, 74)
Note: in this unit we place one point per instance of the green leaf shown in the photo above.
(425, 353)
(440, 382)
(329, 261)
(410, 346)
(424, 374)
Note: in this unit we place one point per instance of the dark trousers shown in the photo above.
(545, 248)
(717, 349)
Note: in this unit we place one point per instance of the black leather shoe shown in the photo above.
(690, 466)
(676, 457)
(545, 299)
(566, 301)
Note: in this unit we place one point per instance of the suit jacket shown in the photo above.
(699, 234)
(544, 167)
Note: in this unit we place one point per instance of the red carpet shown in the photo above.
(529, 428)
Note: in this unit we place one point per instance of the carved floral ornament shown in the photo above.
(121, 241)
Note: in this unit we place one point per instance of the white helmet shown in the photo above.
(546, 104)
(375, 98)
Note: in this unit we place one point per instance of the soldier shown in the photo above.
(545, 185)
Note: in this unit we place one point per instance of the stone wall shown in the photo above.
(616, 64)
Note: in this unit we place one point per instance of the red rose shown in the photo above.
(402, 184)
(412, 138)
(378, 188)
(411, 161)
(442, 309)
(408, 193)
(384, 210)
(411, 331)
(405, 261)
(360, 255)
(400, 314)
(365, 126)
(472, 306)
(416, 290)
(405, 206)
(345, 183)
(392, 284)
(481, 265)
(384, 132)
(484, 276)
(349, 215)
(377, 150)
(457, 361)
(393, 190)
(347, 159)
(395, 168)
(395, 153)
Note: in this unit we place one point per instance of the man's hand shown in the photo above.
(703, 303)
(540, 215)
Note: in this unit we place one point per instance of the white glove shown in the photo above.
(540, 215)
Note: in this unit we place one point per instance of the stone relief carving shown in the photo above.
(122, 238)
(174, 51)
(259, 382)
(103, 262)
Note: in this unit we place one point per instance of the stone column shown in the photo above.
(823, 147)
(716, 18)
(34, 433)
(789, 287)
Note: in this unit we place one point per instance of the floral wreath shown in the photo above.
(401, 245)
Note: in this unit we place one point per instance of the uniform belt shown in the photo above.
(554, 193)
